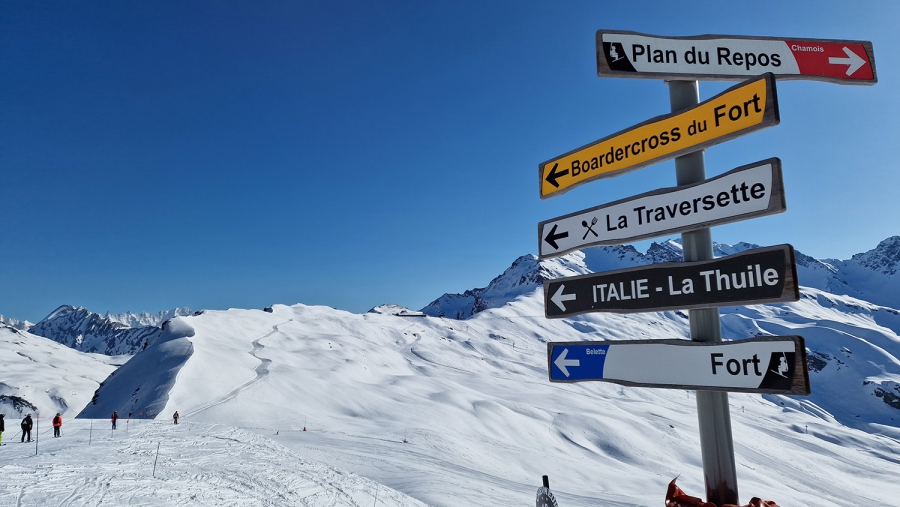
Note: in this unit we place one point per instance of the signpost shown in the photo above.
(746, 192)
(772, 364)
(729, 57)
(701, 283)
(763, 275)
(741, 109)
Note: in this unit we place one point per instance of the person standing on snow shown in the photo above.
(114, 418)
(2, 427)
(27, 423)
(175, 416)
(57, 424)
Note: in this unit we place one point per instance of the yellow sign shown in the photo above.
(749, 106)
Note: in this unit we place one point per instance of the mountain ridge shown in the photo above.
(857, 277)
(83, 330)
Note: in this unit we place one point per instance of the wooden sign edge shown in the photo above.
(790, 292)
(771, 117)
(777, 204)
(799, 387)
(603, 69)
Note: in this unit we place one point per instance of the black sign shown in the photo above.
(763, 275)
(545, 498)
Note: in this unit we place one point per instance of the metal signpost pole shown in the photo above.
(716, 444)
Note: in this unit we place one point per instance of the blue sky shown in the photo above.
(239, 154)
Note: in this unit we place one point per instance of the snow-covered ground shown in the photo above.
(38, 375)
(483, 423)
(197, 464)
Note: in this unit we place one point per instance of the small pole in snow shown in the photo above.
(37, 433)
(126, 425)
(156, 459)
(91, 432)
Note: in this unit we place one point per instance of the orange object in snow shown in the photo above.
(675, 497)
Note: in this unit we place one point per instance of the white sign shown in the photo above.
(774, 364)
(631, 54)
(745, 192)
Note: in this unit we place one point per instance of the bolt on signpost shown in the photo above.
(690, 209)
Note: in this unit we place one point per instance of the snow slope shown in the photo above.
(483, 423)
(198, 464)
(146, 382)
(40, 376)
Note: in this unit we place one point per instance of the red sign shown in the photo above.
(837, 60)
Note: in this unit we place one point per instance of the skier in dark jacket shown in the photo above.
(2, 428)
(27, 423)
(114, 418)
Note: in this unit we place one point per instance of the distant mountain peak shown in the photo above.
(81, 329)
(524, 275)
(144, 319)
(527, 273)
(884, 258)
(21, 325)
(396, 310)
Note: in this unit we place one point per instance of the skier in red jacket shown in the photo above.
(57, 424)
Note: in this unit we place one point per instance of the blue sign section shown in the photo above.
(577, 362)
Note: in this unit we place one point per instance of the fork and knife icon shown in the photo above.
(589, 228)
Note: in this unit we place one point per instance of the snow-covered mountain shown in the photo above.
(21, 325)
(873, 276)
(482, 421)
(472, 395)
(40, 376)
(527, 273)
(145, 319)
(86, 331)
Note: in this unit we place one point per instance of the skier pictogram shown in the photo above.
(782, 366)
(614, 50)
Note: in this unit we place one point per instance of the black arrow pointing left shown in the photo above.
(552, 236)
(551, 178)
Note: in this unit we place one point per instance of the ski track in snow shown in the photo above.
(262, 370)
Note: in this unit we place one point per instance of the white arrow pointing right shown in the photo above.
(561, 362)
(559, 298)
(853, 60)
